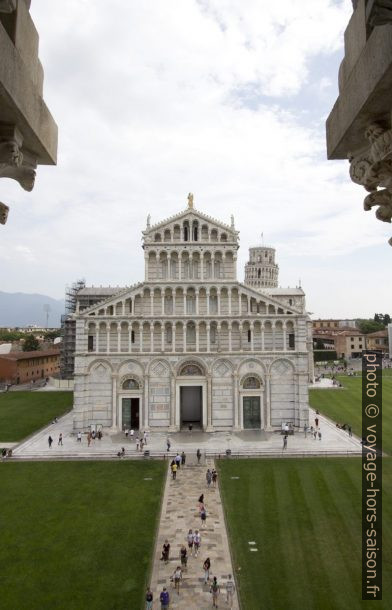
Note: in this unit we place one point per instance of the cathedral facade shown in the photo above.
(191, 345)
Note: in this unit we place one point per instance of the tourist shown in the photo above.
(319, 435)
(177, 575)
(206, 568)
(126, 431)
(190, 542)
(50, 441)
(198, 455)
(208, 477)
(285, 442)
(203, 517)
(316, 421)
(79, 437)
(215, 590)
(230, 588)
(178, 461)
(196, 542)
(88, 439)
(131, 434)
(60, 439)
(141, 443)
(168, 445)
(174, 470)
(183, 556)
(137, 443)
(164, 598)
(183, 458)
(145, 437)
(315, 434)
(165, 551)
(99, 434)
(214, 478)
(201, 502)
(149, 599)
(93, 435)
(350, 433)
(305, 429)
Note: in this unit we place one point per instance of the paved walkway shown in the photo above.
(179, 514)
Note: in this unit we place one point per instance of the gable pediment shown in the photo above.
(190, 214)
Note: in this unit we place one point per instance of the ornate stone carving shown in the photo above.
(24, 173)
(190, 201)
(4, 209)
(380, 13)
(7, 6)
(373, 170)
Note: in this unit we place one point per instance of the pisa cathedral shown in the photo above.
(191, 344)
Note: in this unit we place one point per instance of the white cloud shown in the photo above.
(147, 96)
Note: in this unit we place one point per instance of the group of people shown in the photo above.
(59, 442)
(176, 464)
(140, 439)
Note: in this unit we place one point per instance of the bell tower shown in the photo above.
(261, 271)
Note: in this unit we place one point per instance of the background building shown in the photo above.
(23, 367)
(191, 344)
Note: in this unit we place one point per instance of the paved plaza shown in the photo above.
(180, 513)
(334, 441)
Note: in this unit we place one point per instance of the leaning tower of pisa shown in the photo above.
(261, 271)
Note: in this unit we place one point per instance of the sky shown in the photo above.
(224, 98)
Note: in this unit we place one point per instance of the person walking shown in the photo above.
(164, 598)
(196, 542)
(350, 432)
(60, 439)
(79, 437)
(230, 588)
(183, 458)
(50, 441)
(189, 539)
(168, 444)
(319, 435)
(89, 439)
(137, 443)
(174, 470)
(145, 437)
(201, 502)
(178, 461)
(132, 433)
(214, 478)
(285, 442)
(208, 478)
(149, 599)
(165, 551)
(198, 455)
(177, 576)
(183, 557)
(316, 421)
(206, 568)
(305, 429)
(215, 590)
(203, 517)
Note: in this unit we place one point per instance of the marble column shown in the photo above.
(284, 337)
(197, 336)
(184, 311)
(202, 266)
(230, 337)
(184, 337)
(174, 336)
(119, 337)
(209, 403)
(208, 301)
(218, 296)
(172, 414)
(236, 401)
(162, 303)
(108, 337)
(114, 401)
(163, 337)
(229, 294)
(96, 338)
(208, 336)
(197, 302)
(252, 337)
(146, 405)
(152, 302)
(141, 337)
(268, 400)
(151, 337)
(240, 329)
(239, 303)
(262, 337)
(130, 338)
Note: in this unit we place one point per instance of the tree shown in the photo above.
(30, 344)
(382, 318)
(369, 326)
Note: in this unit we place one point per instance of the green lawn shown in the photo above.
(77, 535)
(305, 517)
(21, 413)
(345, 405)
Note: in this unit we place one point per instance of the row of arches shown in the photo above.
(190, 231)
(191, 336)
(191, 300)
(185, 265)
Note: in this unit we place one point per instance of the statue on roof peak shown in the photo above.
(190, 201)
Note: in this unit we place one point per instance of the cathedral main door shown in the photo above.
(251, 413)
(130, 413)
(191, 406)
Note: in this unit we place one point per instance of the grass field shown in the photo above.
(305, 517)
(77, 535)
(345, 405)
(21, 413)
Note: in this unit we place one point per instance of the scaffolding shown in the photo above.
(68, 330)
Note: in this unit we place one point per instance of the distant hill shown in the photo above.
(20, 309)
